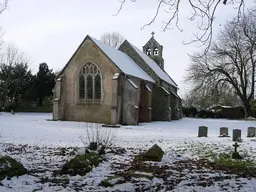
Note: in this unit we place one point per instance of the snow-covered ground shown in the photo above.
(37, 142)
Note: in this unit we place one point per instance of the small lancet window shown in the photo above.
(81, 87)
(156, 51)
(89, 87)
(97, 86)
(148, 51)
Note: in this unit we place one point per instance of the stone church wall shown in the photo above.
(100, 113)
(175, 102)
(131, 100)
(58, 101)
(160, 105)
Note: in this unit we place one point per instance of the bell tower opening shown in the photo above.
(154, 50)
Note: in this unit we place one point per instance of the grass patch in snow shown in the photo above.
(225, 160)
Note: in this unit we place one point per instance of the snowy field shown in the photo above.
(38, 143)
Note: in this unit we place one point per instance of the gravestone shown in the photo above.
(202, 131)
(224, 132)
(235, 154)
(154, 153)
(251, 132)
(237, 135)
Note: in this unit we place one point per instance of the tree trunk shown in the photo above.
(247, 109)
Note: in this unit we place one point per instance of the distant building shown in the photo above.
(229, 112)
(126, 86)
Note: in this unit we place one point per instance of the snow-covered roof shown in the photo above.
(122, 61)
(154, 66)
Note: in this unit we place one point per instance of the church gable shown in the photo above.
(121, 60)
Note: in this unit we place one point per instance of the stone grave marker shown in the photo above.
(236, 135)
(251, 131)
(154, 153)
(224, 132)
(202, 131)
(235, 154)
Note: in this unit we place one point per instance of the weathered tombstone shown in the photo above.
(224, 132)
(235, 154)
(202, 131)
(155, 153)
(251, 131)
(237, 135)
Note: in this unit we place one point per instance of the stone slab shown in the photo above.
(251, 131)
(237, 133)
(202, 131)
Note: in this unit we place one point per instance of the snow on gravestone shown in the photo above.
(202, 131)
(224, 131)
(236, 134)
(251, 132)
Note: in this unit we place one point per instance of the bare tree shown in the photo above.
(114, 39)
(208, 97)
(3, 5)
(203, 11)
(230, 62)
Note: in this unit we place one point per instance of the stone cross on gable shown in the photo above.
(153, 33)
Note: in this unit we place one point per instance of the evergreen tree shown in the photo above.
(45, 81)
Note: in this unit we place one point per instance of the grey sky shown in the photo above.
(51, 30)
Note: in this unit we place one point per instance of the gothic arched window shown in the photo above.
(89, 84)
(148, 52)
(155, 51)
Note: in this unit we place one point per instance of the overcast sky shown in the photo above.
(51, 30)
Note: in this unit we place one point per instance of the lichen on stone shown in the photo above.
(82, 164)
(9, 167)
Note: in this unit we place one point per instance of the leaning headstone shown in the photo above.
(202, 131)
(251, 131)
(224, 132)
(237, 135)
(155, 153)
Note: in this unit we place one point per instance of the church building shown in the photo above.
(106, 85)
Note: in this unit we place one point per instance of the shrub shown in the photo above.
(189, 111)
(97, 138)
